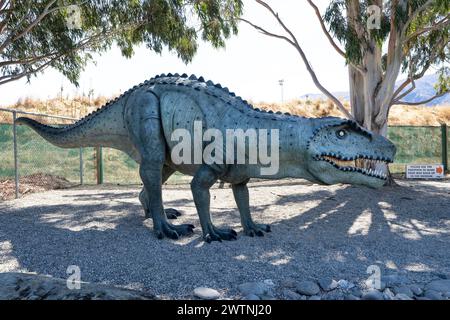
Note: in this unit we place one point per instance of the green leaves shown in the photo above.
(52, 41)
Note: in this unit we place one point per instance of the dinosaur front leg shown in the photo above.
(240, 192)
(204, 178)
(170, 212)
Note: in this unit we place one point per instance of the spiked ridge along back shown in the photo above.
(171, 79)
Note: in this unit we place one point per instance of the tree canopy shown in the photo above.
(35, 35)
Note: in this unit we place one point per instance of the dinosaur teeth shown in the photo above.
(361, 163)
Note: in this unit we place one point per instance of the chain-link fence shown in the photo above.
(27, 160)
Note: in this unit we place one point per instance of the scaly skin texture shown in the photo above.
(141, 123)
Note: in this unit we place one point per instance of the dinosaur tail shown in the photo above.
(101, 128)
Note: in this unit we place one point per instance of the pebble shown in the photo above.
(251, 297)
(269, 282)
(393, 280)
(433, 295)
(417, 290)
(439, 285)
(288, 283)
(328, 284)
(404, 290)
(351, 297)
(291, 295)
(345, 285)
(388, 294)
(308, 288)
(373, 295)
(256, 288)
(315, 298)
(402, 296)
(206, 293)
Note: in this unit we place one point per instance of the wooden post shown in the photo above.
(99, 164)
(16, 160)
(444, 146)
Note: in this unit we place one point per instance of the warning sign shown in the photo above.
(424, 171)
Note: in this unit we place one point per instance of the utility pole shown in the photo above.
(281, 83)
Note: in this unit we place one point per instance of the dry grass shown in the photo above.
(399, 115)
(80, 106)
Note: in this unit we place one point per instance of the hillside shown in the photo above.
(424, 90)
(79, 107)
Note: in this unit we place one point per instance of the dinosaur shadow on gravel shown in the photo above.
(348, 230)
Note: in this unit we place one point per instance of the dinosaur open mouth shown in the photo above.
(360, 163)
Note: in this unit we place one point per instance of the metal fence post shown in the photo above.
(99, 166)
(81, 166)
(444, 146)
(16, 163)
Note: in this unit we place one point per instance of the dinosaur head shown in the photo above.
(339, 151)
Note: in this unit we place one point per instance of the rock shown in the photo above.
(206, 293)
(256, 288)
(446, 295)
(403, 290)
(315, 298)
(439, 285)
(351, 297)
(328, 284)
(356, 292)
(308, 288)
(288, 283)
(388, 294)
(333, 295)
(345, 285)
(394, 280)
(433, 295)
(269, 282)
(267, 297)
(251, 297)
(373, 295)
(291, 295)
(402, 296)
(417, 290)
(422, 298)
(27, 286)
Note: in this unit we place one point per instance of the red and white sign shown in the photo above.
(424, 171)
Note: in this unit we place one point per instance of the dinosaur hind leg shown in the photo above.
(240, 192)
(142, 119)
(171, 213)
(204, 178)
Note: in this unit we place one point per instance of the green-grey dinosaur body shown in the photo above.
(141, 122)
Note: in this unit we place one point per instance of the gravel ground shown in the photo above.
(318, 232)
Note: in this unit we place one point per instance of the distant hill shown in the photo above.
(424, 90)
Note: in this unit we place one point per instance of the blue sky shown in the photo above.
(250, 65)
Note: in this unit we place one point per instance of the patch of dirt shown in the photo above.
(37, 182)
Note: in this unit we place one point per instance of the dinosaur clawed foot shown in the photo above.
(257, 230)
(174, 231)
(172, 213)
(216, 234)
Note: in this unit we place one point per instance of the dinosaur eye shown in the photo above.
(341, 134)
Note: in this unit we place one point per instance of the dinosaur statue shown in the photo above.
(141, 121)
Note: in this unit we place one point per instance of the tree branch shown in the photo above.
(293, 41)
(414, 16)
(330, 38)
(265, 32)
(421, 102)
(442, 23)
(324, 29)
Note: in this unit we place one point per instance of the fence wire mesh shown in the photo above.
(42, 164)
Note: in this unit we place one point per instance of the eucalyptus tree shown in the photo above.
(37, 34)
(379, 40)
